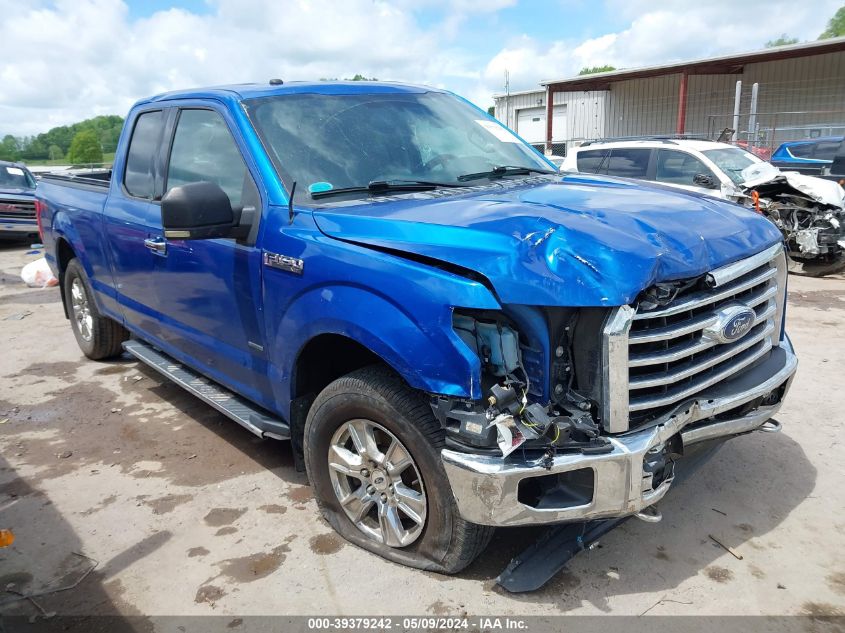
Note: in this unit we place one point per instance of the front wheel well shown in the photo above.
(326, 358)
(321, 361)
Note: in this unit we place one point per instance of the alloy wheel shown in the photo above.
(377, 483)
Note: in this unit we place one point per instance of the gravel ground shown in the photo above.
(187, 513)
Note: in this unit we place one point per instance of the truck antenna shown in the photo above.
(290, 202)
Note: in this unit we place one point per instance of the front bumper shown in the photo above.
(487, 488)
(17, 227)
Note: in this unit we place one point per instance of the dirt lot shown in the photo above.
(187, 513)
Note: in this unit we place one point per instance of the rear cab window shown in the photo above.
(139, 175)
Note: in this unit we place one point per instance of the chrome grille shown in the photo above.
(17, 208)
(658, 359)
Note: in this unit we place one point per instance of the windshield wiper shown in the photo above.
(379, 186)
(505, 170)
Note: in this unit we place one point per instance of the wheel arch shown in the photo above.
(325, 358)
(64, 253)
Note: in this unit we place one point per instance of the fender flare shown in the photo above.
(422, 348)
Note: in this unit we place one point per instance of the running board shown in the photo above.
(248, 415)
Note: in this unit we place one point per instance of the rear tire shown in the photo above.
(98, 336)
(403, 426)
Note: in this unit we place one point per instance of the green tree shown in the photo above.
(10, 148)
(359, 77)
(85, 148)
(107, 129)
(33, 149)
(491, 110)
(783, 40)
(55, 153)
(589, 70)
(835, 26)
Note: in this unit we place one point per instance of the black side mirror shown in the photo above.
(197, 211)
(704, 180)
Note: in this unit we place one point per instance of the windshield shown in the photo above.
(14, 177)
(325, 142)
(732, 160)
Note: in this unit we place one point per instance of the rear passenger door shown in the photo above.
(209, 291)
(592, 161)
(624, 162)
(629, 162)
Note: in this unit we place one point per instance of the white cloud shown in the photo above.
(74, 59)
(673, 31)
(66, 60)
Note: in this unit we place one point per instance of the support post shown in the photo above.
(550, 110)
(737, 101)
(752, 116)
(682, 104)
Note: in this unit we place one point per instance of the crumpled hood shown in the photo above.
(770, 180)
(572, 241)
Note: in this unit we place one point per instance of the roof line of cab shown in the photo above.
(257, 91)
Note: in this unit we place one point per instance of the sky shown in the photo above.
(63, 61)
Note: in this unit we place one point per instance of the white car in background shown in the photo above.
(809, 211)
(555, 160)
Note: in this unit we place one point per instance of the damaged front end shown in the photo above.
(808, 211)
(534, 450)
(586, 410)
(518, 412)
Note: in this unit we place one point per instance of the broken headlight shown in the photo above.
(512, 415)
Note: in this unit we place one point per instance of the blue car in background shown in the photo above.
(808, 156)
(17, 201)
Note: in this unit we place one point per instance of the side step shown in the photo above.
(248, 415)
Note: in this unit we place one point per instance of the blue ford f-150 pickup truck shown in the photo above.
(453, 336)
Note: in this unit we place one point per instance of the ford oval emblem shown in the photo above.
(732, 323)
(738, 324)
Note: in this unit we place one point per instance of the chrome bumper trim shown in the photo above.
(486, 487)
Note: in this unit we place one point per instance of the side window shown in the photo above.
(826, 150)
(628, 163)
(204, 150)
(592, 160)
(803, 150)
(680, 168)
(139, 176)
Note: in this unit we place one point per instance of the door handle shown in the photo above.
(157, 245)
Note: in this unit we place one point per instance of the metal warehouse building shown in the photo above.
(765, 97)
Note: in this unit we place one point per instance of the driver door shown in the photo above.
(209, 290)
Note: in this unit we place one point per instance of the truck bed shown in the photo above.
(99, 179)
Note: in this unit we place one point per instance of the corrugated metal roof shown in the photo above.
(726, 64)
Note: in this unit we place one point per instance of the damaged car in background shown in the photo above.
(809, 211)
(453, 335)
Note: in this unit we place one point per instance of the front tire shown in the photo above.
(372, 453)
(98, 336)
